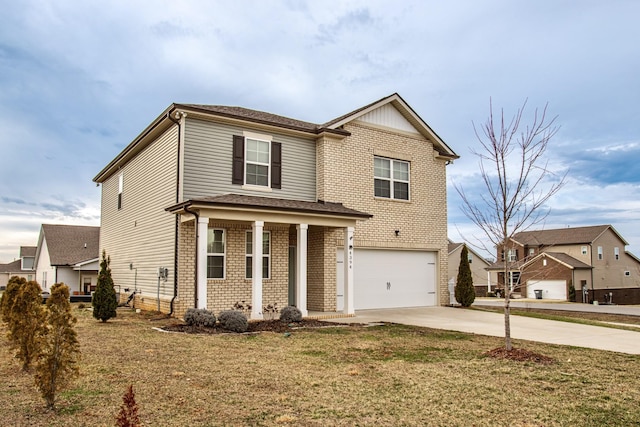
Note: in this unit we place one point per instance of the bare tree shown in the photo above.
(518, 183)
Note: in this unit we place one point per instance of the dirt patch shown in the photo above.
(260, 326)
(519, 355)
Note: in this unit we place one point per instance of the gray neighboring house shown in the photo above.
(68, 254)
(22, 267)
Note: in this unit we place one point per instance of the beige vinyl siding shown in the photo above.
(208, 156)
(142, 233)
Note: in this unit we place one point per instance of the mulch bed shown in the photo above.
(260, 326)
(519, 355)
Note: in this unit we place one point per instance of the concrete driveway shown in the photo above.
(524, 328)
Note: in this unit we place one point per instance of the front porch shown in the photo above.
(224, 240)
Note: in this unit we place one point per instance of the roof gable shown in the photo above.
(389, 110)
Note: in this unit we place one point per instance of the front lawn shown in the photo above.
(383, 375)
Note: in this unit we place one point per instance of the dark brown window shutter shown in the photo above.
(276, 165)
(237, 174)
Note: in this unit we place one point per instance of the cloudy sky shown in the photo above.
(79, 80)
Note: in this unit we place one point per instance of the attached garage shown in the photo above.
(551, 289)
(390, 278)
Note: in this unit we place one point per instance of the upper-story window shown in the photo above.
(120, 190)
(513, 255)
(257, 161)
(616, 253)
(215, 253)
(470, 257)
(599, 252)
(532, 251)
(391, 178)
(584, 250)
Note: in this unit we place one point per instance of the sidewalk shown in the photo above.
(630, 310)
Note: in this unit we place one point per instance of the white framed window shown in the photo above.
(120, 190)
(599, 252)
(532, 251)
(44, 279)
(616, 253)
(544, 262)
(513, 255)
(266, 255)
(216, 254)
(470, 258)
(257, 162)
(584, 250)
(391, 178)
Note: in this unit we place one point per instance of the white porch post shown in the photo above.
(301, 269)
(348, 271)
(201, 279)
(256, 268)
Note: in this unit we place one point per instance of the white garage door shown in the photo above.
(551, 289)
(390, 279)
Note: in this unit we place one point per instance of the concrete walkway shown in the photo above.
(631, 310)
(492, 324)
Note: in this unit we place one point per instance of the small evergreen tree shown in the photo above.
(104, 300)
(26, 323)
(128, 416)
(465, 292)
(9, 296)
(57, 362)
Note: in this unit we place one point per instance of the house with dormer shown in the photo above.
(212, 206)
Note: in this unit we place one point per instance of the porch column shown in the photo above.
(301, 269)
(201, 254)
(256, 268)
(348, 271)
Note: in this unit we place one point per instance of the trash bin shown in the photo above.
(538, 293)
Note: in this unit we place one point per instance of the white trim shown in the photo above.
(202, 259)
(349, 306)
(301, 269)
(247, 162)
(391, 179)
(256, 280)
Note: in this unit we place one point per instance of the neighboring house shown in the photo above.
(350, 214)
(22, 267)
(477, 264)
(592, 259)
(68, 254)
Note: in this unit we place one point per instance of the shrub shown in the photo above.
(27, 323)
(9, 297)
(128, 415)
(57, 362)
(465, 292)
(104, 300)
(234, 321)
(290, 314)
(200, 317)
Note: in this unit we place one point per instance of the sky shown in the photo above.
(80, 80)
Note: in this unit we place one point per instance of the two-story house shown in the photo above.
(592, 260)
(22, 267)
(211, 206)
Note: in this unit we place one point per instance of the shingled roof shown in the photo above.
(12, 267)
(71, 244)
(563, 236)
(28, 251)
(237, 200)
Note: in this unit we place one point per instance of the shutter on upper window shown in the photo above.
(237, 174)
(276, 165)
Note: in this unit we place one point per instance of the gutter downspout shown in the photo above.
(177, 222)
(195, 273)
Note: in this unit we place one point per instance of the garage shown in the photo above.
(389, 278)
(551, 289)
